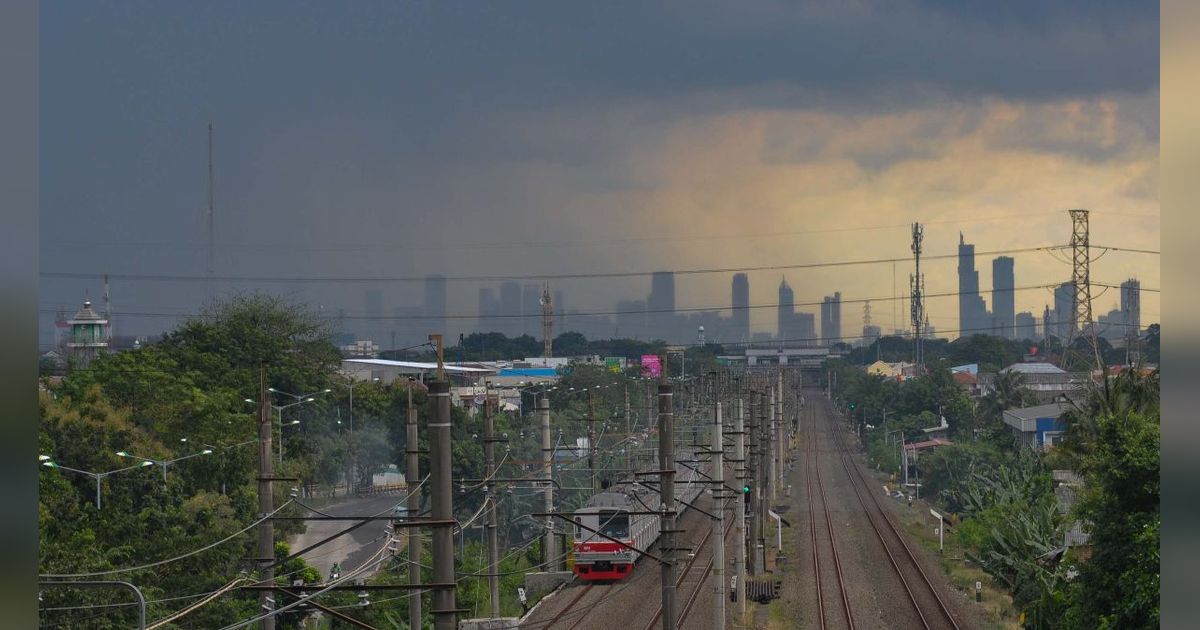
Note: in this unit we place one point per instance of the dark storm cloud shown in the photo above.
(343, 125)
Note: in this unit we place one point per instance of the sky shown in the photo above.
(409, 138)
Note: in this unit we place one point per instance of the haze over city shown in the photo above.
(426, 139)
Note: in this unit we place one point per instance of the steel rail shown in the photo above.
(848, 464)
(837, 560)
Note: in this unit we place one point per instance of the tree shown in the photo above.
(1118, 456)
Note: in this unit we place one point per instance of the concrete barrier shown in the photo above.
(502, 623)
(536, 584)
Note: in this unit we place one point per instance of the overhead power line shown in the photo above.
(501, 278)
(688, 309)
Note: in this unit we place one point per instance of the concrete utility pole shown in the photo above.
(666, 466)
(489, 453)
(266, 501)
(441, 488)
(764, 453)
(592, 439)
(549, 546)
(412, 474)
(718, 534)
(772, 465)
(755, 489)
(628, 433)
(739, 562)
(780, 433)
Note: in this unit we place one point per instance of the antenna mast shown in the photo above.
(547, 321)
(211, 230)
(918, 289)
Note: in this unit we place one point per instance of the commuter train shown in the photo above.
(615, 513)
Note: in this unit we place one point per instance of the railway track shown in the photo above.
(813, 469)
(687, 571)
(940, 616)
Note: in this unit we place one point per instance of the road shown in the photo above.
(352, 549)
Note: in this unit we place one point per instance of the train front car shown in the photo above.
(598, 558)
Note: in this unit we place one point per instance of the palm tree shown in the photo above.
(1008, 392)
(1128, 392)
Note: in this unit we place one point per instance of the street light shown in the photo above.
(146, 461)
(353, 462)
(49, 463)
(300, 400)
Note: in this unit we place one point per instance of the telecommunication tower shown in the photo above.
(547, 321)
(917, 282)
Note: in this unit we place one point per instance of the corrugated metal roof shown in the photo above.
(1052, 410)
(1034, 368)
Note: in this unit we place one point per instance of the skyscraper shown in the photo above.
(1025, 326)
(741, 309)
(785, 319)
(806, 328)
(489, 308)
(831, 319)
(1064, 323)
(661, 306)
(510, 309)
(1003, 307)
(435, 303)
(531, 311)
(972, 312)
(1131, 307)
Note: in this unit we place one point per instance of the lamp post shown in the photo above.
(162, 462)
(50, 463)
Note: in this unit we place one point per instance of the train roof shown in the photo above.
(609, 499)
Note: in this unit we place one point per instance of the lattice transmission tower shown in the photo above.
(1081, 281)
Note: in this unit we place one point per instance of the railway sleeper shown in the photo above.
(763, 590)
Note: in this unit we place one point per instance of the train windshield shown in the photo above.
(614, 524)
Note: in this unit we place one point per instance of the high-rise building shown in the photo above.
(806, 328)
(510, 309)
(531, 311)
(1003, 306)
(632, 319)
(831, 319)
(1131, 307)
(489, 308)
(1060, 321)
(972, 312)
(1025, 326)
(785, 319)
(435, 303)
(660, 305)
(741, 309)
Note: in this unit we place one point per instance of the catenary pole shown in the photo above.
(441, 488)
(489, 451)
(755, 489)
(772, 465)
(266, 502)
(549, 546)
(666, 463)
(718, 534)
(412, 474)
(739, 445)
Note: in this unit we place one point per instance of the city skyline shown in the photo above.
(325, 167)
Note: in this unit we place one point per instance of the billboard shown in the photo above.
(613, 364)
(651, 365)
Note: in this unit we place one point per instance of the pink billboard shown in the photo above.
(651, 365)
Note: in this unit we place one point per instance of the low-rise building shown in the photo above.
(1037, 427)
(1045, 380)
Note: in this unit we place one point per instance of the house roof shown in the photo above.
(965, 378)
(920, 446)
(1034, 368)
(1052, 410)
